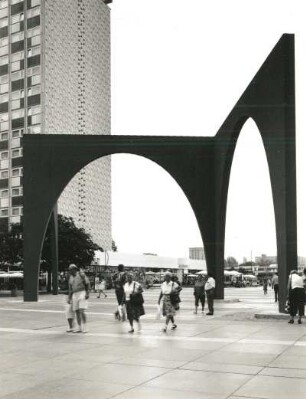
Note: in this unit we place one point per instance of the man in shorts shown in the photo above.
(79, 288)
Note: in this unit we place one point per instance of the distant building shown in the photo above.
(301, 263)
(265, 259)
(196, 253)
(110, 258)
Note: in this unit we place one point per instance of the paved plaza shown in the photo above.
(232, 354)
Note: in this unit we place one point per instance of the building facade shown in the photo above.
(197, 253)
(55, 79)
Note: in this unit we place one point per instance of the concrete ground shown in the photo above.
(229, 355)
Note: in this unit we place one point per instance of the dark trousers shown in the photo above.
(276, 292)
(210, 294)
(119, 296)
(296, 300)
(200, 298)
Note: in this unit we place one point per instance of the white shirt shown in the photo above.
(129, 288)
(210, 283)
(296, 281)
(166, 288)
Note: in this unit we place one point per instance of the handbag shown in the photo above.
(136, 298)
(287, 306)
(174, 297)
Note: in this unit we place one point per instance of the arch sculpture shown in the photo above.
(200, 165)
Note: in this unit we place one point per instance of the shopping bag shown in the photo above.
(122, 312)
(158, 313)
(287, 306)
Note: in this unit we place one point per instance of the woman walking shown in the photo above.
(296, 296)
(169, 292)
(134, 301)
(102, 288)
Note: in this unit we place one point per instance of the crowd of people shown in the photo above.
(75, 287)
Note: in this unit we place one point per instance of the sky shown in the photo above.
(178, 68)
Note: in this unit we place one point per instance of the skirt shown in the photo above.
(134, 311)
(168, 308)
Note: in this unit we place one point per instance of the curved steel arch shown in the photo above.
(200, 165)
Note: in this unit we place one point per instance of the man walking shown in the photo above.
(210, 293)
(79, 288)
(119, 280)
(275, 286)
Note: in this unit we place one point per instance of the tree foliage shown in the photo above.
(75, 245)
(11, 246)
(114, 246)
(230, 262)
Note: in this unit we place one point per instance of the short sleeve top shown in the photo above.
(166, 287)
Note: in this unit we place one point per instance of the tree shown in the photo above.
(75, 245)
(114, 246)
(231, 262)
(11, 245)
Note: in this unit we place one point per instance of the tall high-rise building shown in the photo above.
(197, 253)
(55, 79)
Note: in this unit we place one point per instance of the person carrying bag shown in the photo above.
(134, 301)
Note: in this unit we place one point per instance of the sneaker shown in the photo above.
(299, 321)
(131, 331)
(78, 331)
(174, 327)
(70, 330)
(291, 321)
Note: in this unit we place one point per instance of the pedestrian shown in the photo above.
(79, 287)
(265, 286)
(275, 285)
(210, 286)
(179, 289)
(134, 301)
(169, 293)
(296, 296)
(199, 293)
(64, 290)
(119, 280)
(102, 288)
(97, 282)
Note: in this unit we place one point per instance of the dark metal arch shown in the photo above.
(200, 165)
